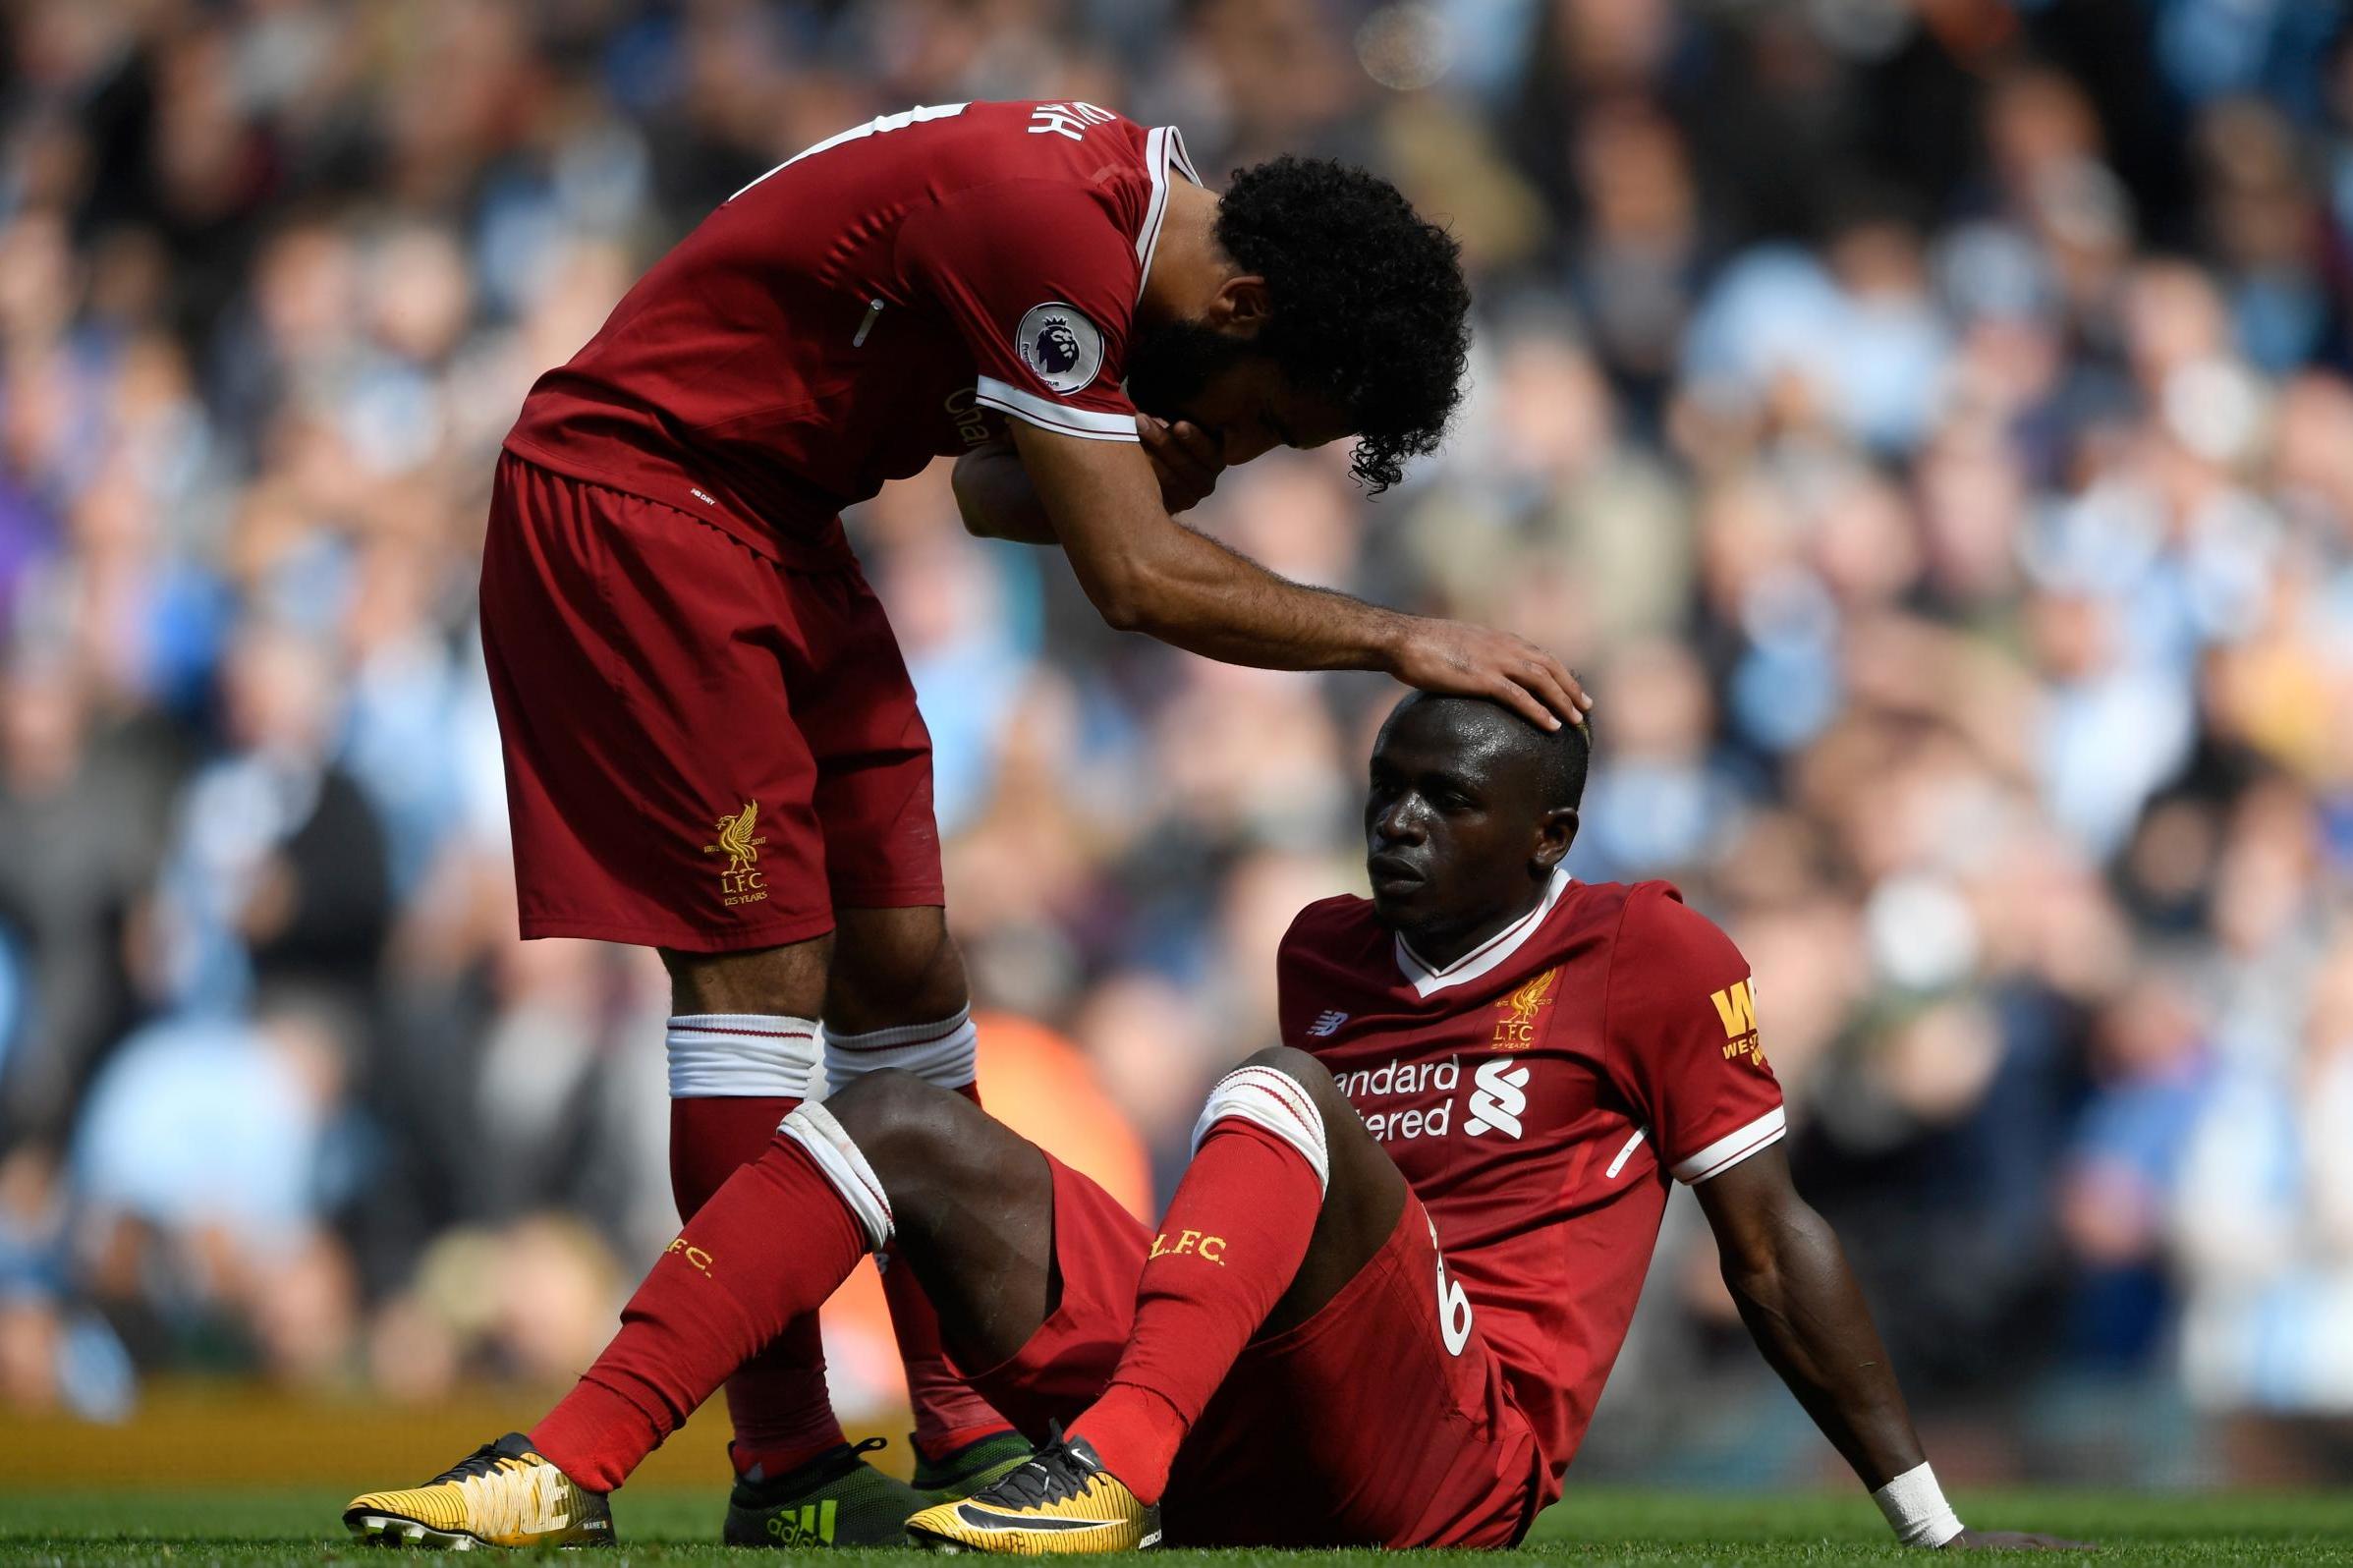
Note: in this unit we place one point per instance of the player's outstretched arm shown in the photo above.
(1790, 1279)
(1146, 572)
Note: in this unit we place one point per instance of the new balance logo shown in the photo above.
(1328, 1024)
(1498, 1097)
(810, 1525)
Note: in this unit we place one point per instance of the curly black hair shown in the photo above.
(1366, 302)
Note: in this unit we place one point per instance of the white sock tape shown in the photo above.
(729, 1055)
(946, 1051)
(1916, 1508)
(1266, 1097)
(844, 1164)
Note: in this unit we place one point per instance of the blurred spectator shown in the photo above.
(206, 1164)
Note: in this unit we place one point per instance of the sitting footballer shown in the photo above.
(1391, 1282)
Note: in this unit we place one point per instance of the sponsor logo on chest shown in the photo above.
(1496, 1103)
(1397, 1079)
(1499, 1098)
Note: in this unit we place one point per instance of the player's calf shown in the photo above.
(1285, 1199)
(1363, 1196)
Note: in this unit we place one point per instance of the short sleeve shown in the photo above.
(1293, 1018)
(1041, 283)
(1681, 1019)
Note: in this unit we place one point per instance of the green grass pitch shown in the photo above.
(1592, 1529)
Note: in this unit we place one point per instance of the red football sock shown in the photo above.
(1230, 1246)
(776, 1401)
(948, 1415)
(727, 1286)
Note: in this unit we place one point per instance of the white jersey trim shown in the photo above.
(1427, 979)
(875, 127)
(1088, 424)
(1733, 1148)
(1163, 149)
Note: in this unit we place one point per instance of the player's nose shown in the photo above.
(1397, 822)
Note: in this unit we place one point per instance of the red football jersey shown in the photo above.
(883, 298)
(1538, 1093)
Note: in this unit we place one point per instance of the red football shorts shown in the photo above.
(703, 749)
(1359, 1426)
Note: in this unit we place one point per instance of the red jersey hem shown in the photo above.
(767, 542)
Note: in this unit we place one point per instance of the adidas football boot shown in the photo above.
(1060, 1501)
(502, 1494)
(836, 1499)
(975, 1465)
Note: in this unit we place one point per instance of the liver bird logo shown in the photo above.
(736, 841)
(1515, 1021)
(1527, 998)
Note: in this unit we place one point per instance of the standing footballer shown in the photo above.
(711, 744)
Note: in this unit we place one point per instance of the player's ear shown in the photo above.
(1240, 306)
(1554, 833)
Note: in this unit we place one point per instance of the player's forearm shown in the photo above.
(1146, 572)
(995, 499)
(1805, 1311)
(1194, 594)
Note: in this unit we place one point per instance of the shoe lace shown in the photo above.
(824, 1471)
(1049, 1475)
(484, 1461)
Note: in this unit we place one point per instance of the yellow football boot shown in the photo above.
(1062, 1500)
(502, 1494)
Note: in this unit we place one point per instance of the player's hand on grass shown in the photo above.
(1475, 661)
(1185, 458)
(2012, 1540)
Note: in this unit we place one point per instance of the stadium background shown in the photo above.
(1924, 423)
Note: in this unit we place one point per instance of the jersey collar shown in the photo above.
(1428, 979)
(1163, 151)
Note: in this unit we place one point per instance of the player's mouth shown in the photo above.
(1393, 873)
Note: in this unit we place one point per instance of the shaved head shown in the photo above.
(1555, 761)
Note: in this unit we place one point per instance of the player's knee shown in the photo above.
(901, 1122)
(1305, 1071)
(1283, 1092)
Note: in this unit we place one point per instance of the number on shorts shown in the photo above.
(872, 127)
(1454, 1304)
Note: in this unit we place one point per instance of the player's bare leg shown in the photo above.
(746, 1047)
(896, 999)
(1287, 1199)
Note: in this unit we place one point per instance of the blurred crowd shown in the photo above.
(1926, 423)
